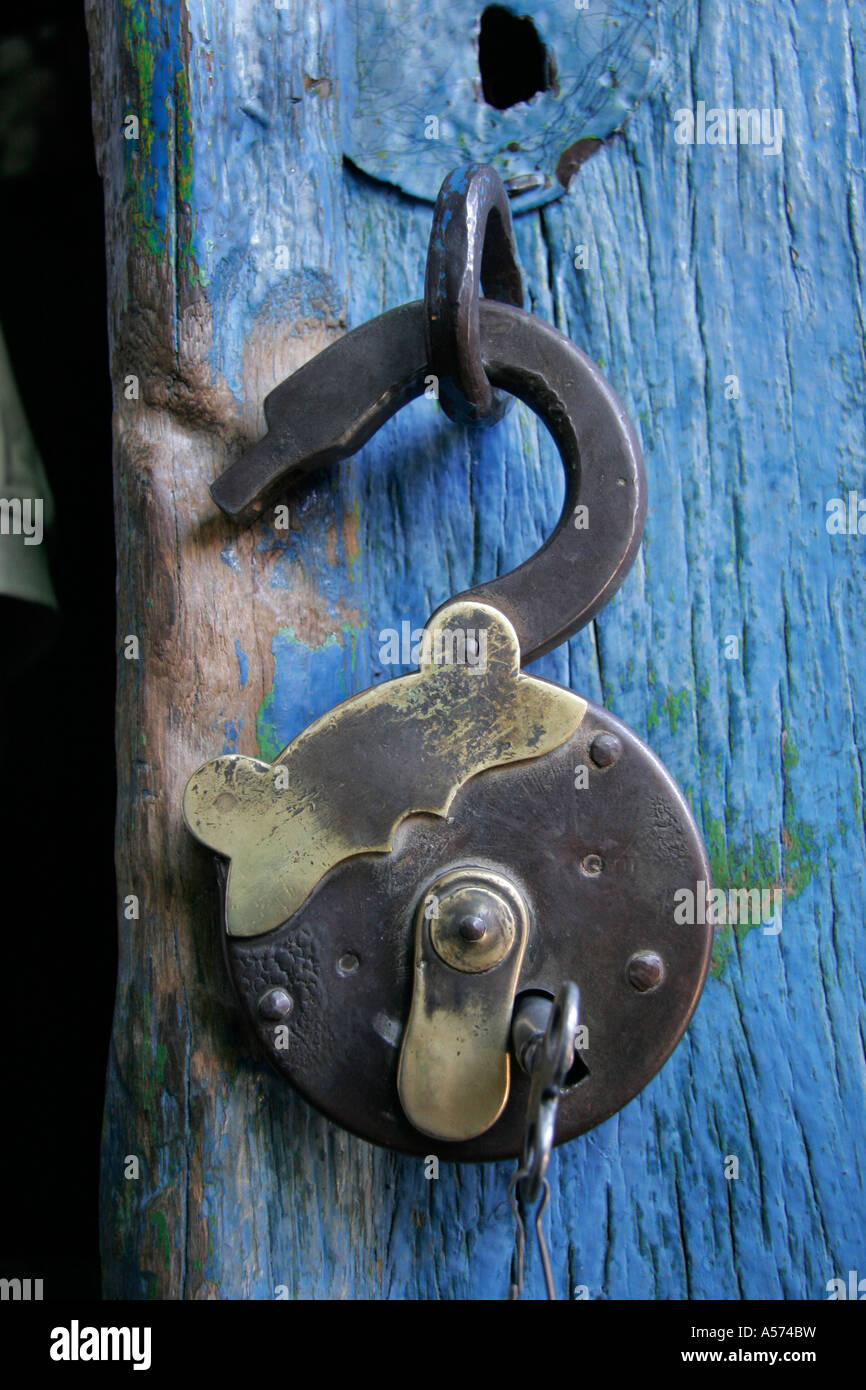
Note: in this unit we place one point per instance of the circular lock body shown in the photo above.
(597, 842)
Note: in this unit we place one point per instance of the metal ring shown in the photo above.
(331, 406)
(471, 244)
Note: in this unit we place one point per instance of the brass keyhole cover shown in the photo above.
(473, 916)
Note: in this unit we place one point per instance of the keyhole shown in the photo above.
(577, 1072)
(511, 57)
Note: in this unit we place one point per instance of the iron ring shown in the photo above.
(471, 245)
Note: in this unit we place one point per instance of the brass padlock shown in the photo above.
(448, 844)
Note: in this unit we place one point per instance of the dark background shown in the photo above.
(56, 708)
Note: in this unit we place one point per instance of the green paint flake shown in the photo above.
(802, 857)
(147, 166)
(138, 161)
(270, 744)
(184, 124)
(674, 706)
(790, 755)
(352, 549)
(158, 1222)
(350, 641)
(756, 865)
(150, 1066)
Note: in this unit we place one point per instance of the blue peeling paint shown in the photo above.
(254, 182)
(231, 732)
(300, 672)
(399, 69)
(243, 664)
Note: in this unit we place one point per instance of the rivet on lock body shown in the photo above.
(422, 917)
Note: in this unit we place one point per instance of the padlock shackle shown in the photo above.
(332, 405)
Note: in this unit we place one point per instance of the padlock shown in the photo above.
(436, 854)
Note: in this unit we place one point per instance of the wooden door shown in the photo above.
(721, 291)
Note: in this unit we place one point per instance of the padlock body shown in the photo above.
(601, 845)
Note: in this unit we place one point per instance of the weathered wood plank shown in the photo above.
(703, 262)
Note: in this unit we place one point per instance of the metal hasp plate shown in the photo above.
(455, 1065)
(531, 88)
(399, 749)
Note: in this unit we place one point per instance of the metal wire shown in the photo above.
(515, 1289)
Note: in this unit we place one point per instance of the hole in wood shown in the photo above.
(511, 57)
